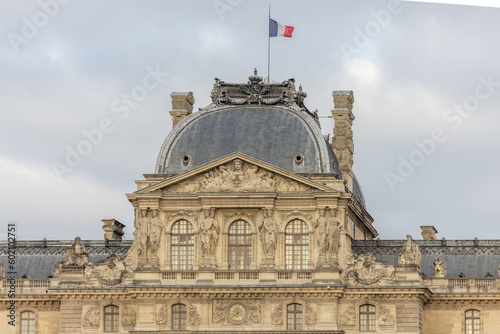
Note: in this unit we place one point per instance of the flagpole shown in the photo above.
(269, 45)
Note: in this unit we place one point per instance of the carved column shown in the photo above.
(342, 142)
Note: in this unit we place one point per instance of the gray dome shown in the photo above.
(274, 135)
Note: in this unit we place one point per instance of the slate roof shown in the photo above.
(270, 134)
(473, 258)
(36, 259)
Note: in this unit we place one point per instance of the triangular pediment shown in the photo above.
(236, 173)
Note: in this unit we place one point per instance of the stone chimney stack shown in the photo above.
(342, 142)
(182, 105)
(113, 229)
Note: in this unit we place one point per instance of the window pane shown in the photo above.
(240, 245)
(182, 245)
(296, 245)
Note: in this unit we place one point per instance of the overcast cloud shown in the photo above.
(64, 74)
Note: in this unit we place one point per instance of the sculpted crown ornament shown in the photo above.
(258, 92)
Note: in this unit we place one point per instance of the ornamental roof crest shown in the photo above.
(257, 92)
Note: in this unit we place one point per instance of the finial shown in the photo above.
(300, 88)
(255, 71)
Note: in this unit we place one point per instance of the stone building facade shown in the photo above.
(253, 221)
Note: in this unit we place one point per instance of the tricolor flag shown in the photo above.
(278, 29)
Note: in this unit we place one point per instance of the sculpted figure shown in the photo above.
(77, 254)
(209, 232)
(333, 231)
(155, 228)
(141, 233)
(439, 268)
(410, 254)
(268, 233)
(266, 180)
(320, 232)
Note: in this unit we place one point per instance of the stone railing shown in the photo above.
(235, 277)
(20, 285)
(471, 282)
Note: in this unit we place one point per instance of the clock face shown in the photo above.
(237, 313)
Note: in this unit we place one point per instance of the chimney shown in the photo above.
(113, 229)
(182, 105)
(429, 232)
(342, 142)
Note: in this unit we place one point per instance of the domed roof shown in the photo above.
(274, 134)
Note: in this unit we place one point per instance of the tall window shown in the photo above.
(27, 322)
(111, 317)
(182, 245)
(179, 317)
(472, 322)
(367, 318)
(296, 245)
(294, 317)
(240, 245)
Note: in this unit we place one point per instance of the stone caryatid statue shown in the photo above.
(141, 233)
(155, 228)
(321, 235)
(410, 254)
(268, 233)
(77, 255)
(209, 233)
(333, 229)
(439, 268)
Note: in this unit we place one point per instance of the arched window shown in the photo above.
(472, 322)
(296, 245)
(111, 318)
(179, 317)
(294, 317)
(182, 245)
(27, 322)
(367, 318)
(240, 245)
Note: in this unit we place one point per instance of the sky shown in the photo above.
(425, 77)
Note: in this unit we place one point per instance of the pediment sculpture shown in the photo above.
(238, 176)
(366, 269)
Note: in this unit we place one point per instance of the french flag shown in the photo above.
(277, 29)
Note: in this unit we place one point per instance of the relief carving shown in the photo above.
(343, 144)
(239, 214)
(385, 318)
(110, 271)
(365, 269)
(194, 316)
(311, 315)
(348, 317)
(410, 254)
(296, 213)
(183, 213)
(77, 255)
(91, 318)
(237, 176)
(439, 268)
(277, 316)
(254, 317)
(219, 309)
(162, 315)
(128, 319)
